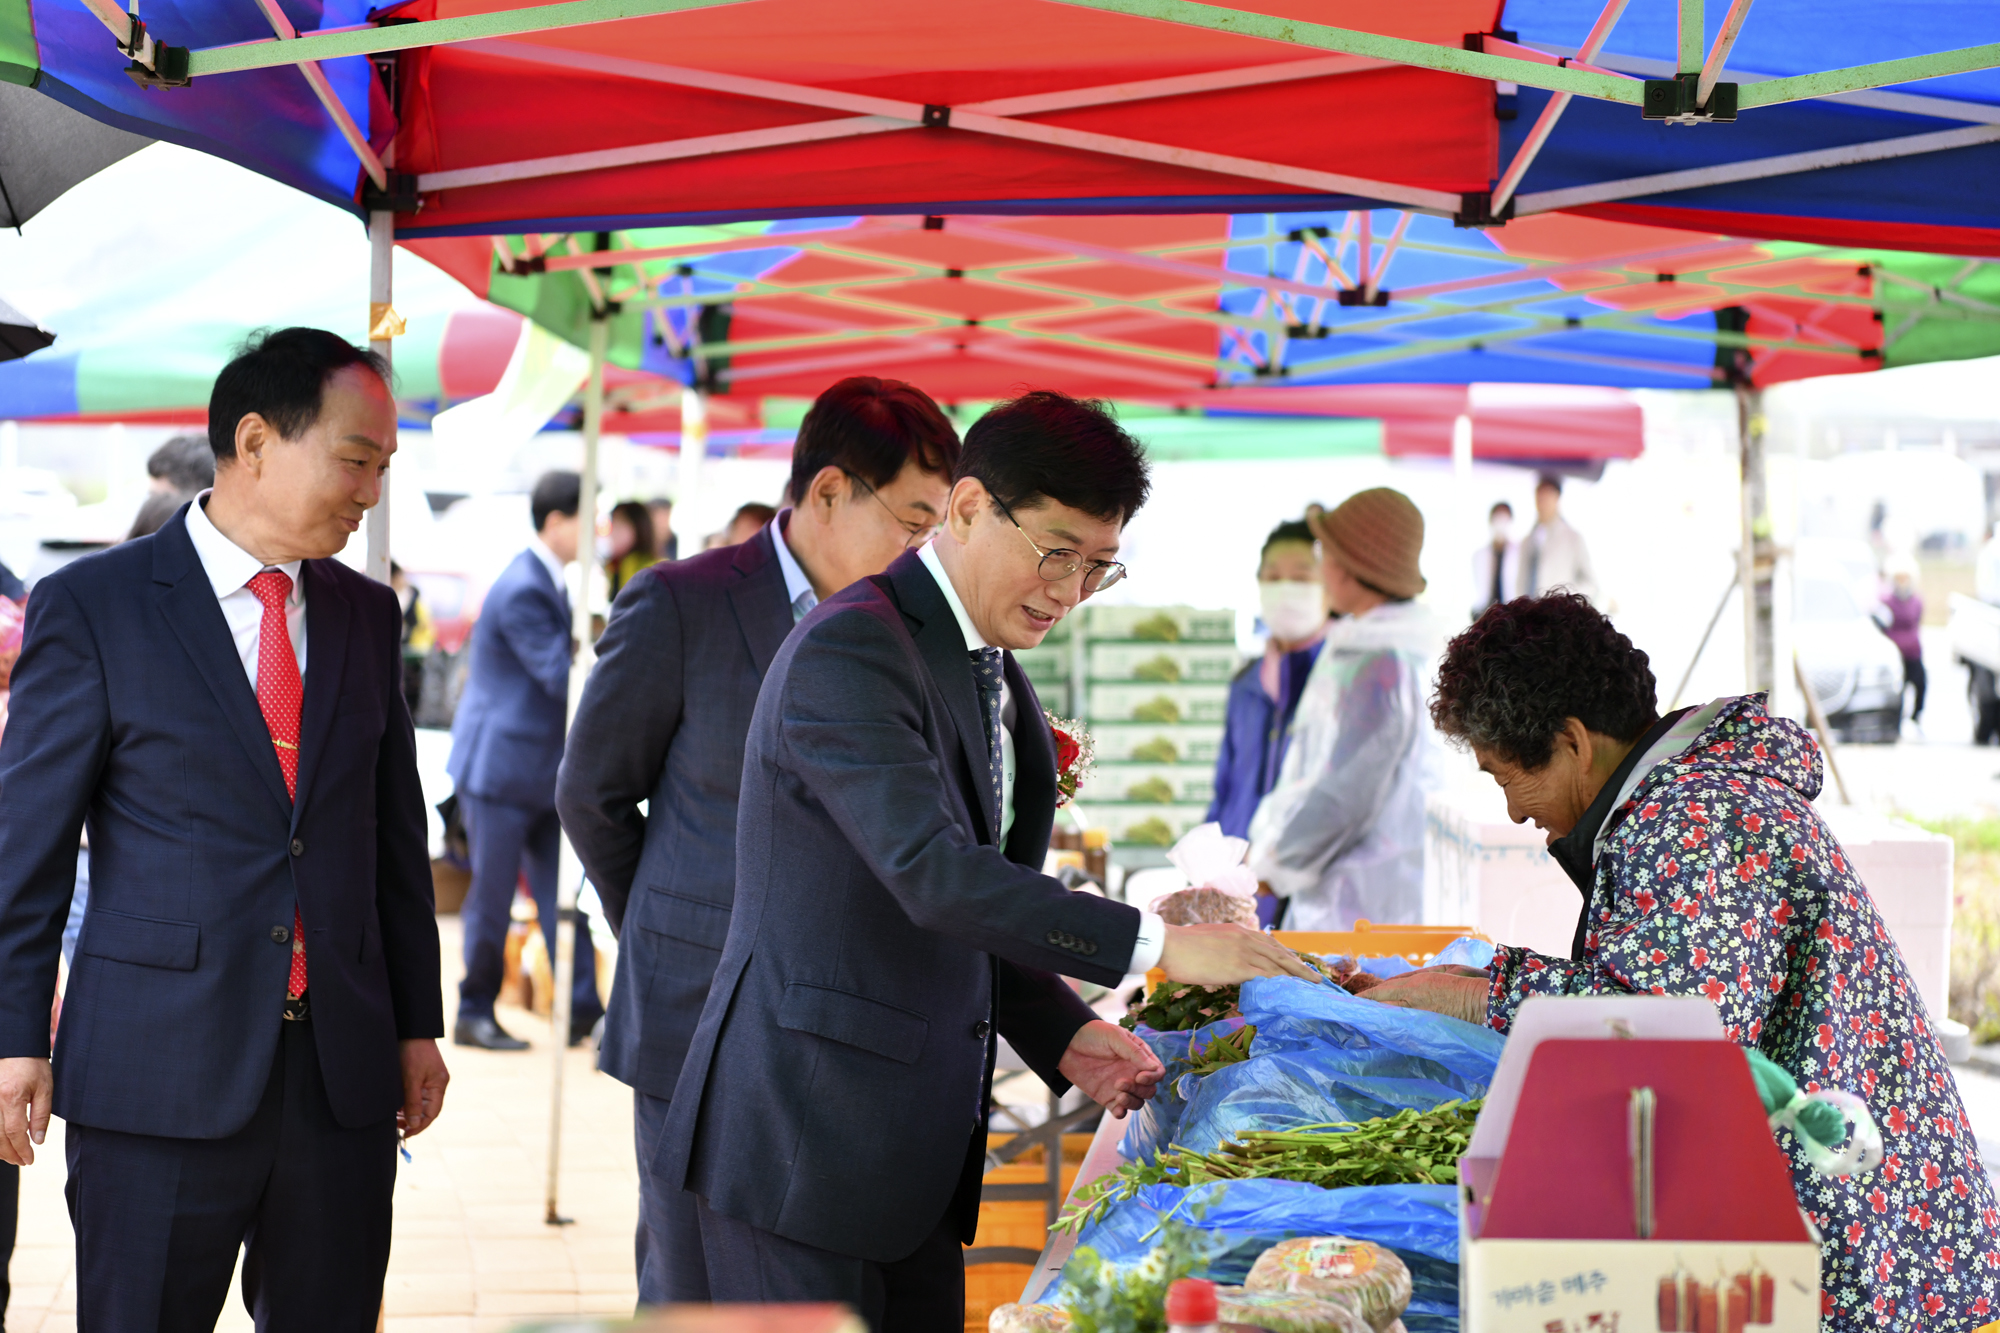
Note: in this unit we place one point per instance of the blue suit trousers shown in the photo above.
(508, 841)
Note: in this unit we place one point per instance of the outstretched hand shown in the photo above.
(1114, 1068)
(26, 1091)
(1227, 955)
(1453, 991)
(424, 1079)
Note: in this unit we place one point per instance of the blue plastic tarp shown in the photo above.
(1247, 1217)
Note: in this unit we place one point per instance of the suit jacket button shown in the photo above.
(1055, 937)
(280, 934)
(981, 1029)
(298, 847)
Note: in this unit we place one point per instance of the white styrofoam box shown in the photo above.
(1147, 702)
(1156, 743)
(1160, 624)
(1908, 873)
(1147, 825)
(1154, 784)
(1167, 663)
(1481, 868)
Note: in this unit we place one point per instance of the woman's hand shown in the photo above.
(1456, 992)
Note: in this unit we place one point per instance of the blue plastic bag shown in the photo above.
(1466, 952)
(1247, 1217)
(1322, 1055)
(1153, 1126)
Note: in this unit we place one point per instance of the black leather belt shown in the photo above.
(298, 1008)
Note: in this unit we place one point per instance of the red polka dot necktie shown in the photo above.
(280, 695)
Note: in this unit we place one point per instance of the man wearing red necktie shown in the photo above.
(253, 1012)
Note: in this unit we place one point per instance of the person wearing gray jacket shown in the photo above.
(662, 722)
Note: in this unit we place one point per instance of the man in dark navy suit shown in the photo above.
(890, 914)
(506, 743)
(663, 719)
(254, 1004)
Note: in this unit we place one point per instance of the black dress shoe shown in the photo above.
(486, 1034)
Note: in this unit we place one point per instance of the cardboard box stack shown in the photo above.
(1152, 684)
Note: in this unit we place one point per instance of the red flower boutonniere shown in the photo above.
(1076, 753)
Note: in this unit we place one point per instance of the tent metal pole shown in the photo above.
(1757, 557)
(1784, 164)
(571, 874)
(1690, 36)
(1545, 124)
(382, 327)
(1854, 78)
(694, 442)
(316, 79)
(1718, 55)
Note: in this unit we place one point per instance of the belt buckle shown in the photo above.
(298, 1008)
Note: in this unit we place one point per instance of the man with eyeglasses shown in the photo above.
(891, 916)
(663, 720)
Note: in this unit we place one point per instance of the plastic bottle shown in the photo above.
(1191, 1306)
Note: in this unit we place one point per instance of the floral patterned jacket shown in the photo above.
(1717, 878)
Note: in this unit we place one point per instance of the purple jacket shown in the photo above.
(1905, 614)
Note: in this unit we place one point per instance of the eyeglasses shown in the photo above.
(1062, 562)
(919, 532)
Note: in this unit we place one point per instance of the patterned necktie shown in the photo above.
(280, 695)
(986, 672)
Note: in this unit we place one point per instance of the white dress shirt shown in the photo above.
(230, 568)
(798, 588)
(558, 574)
(1152, 936)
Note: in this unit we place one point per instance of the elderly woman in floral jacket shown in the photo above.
(1705, 871)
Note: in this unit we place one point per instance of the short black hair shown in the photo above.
(154, 511)
(1499, 507)
(186, 462)
(1550, 480)
(869, 428)
(556, 493)
(1291, 530)
(281, 377)
(756, 511)
(1511, 681)
(1047, 445)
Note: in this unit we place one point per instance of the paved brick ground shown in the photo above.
(472, 1252)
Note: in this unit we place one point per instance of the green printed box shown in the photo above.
(1149, 743)
(1168, 704)
(1160, 624)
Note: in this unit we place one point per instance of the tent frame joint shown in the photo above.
(1475, 211)
(399, 196)
(1676, 101)
(154, 64)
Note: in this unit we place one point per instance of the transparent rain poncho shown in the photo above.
(1342, 833)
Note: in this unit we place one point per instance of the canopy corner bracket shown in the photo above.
(153, 64)
(398, 195)
(1674, 101)
(1476, 211)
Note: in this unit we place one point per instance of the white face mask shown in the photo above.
(1503, 528)
(1292, 610)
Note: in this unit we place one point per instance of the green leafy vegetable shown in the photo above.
(1103, 1298)
(1226, 1049)
(1408, 1148)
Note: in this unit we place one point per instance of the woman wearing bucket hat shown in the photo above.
(1341, 836)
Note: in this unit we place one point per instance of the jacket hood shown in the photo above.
(1745, 742)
